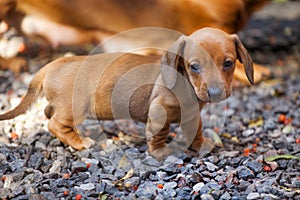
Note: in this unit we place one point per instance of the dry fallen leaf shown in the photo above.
(256, 123)
(128, 175)
(285, 156)
(123, 162)
(215, 137)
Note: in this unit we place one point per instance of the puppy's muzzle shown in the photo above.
(212, 94)
(215, 94)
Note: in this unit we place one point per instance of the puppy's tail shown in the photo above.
(34, 90)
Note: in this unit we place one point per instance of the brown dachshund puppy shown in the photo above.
(158, 91)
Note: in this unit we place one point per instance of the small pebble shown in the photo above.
(170, 185)
(252, 196)
(173, 160)
(198, 187)
(266, 196)
(211, 167)
(56, 167)
(151, 161)
(146, 190)
(256, 166)
(296, 182)
(206, 197)
(288, 129)
(88, 186)
(225, 196)
(79, 166)
(17, 165)
(270, 125)
(245, 173)
(248, 132)
(40, 145)
(161, 175)
(230, 154)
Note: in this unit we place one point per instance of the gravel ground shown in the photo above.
(259, 127)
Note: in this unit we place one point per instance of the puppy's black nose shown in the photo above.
(215, 93)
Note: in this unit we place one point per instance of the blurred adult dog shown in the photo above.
(83, 21)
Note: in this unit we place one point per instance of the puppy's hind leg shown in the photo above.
(65, 131)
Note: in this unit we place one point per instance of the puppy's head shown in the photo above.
(207, 59)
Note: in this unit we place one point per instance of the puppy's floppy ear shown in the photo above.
(171, 60)
(244, 58)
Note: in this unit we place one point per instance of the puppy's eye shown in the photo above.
(195, 67)
(228, 65)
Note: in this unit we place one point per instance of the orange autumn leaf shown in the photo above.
(257, 140)
(135, 187)
(281, 118)
(115, 138)
(267, 168)
(288, 121)
(78, 196)
(172, 134)
(160, 186)
(22, 47)
(247, 152)
(254, 149)
(14, 135)
(66, 176)
(180, 165)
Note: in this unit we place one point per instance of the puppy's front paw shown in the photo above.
(206, 147)
(192, 153)
(161, 153)
(87, 142)
(83, 143)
